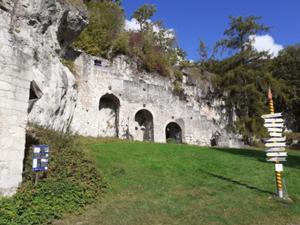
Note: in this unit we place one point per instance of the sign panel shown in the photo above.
(273, 125)
(278, 120)
(283, 144)
(274, 134)
(40, 157)
(271, 115)
(274, 129)
(275, 150)
(276, 139)
(277, 154)
(278, 167)
(276, 159)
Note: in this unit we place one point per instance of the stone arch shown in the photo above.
(173, 133)
(145, 128)
(109, 107)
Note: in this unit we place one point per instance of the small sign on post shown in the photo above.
(40, 159)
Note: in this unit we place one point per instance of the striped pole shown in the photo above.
(277, 164)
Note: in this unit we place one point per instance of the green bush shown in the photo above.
(178, 75)
(105, 24)
(71, 182)
(120, 45)
(149, 55)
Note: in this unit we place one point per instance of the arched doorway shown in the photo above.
(144, 127)
(173, 133)
(109, 106)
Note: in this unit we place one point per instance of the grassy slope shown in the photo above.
(180, 184)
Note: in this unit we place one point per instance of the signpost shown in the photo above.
(276, 143)
(40, 160)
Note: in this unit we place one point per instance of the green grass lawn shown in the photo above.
(181, 184)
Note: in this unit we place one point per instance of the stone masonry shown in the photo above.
(142, 91)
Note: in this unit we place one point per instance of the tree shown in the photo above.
(237, 36)
(202, 51)
(244, 76)
(144, 14)
(286, 67)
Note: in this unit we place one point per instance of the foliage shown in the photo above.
(178, 75)
(144, 14)
(120, 45)
(237, 36)
(106, 23)
(293, 140)
(202, 51)
(151, 54)
(286, 67)
(178, 87)
(71, 183)
(154, 46)
(244, 78)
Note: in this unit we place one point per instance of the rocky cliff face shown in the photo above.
(34, 84)
(103, 99)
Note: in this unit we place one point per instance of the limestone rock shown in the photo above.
(32, 78)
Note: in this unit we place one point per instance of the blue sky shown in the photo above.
(195, 20)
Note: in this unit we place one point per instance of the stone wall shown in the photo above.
(135, 91)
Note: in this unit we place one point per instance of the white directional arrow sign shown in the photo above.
(276, 139)
(275, 144)
(273, 134)
(272, 115)
(278, 120)
(272, 129)
(276, 159)
(273, 125)
(275, 150)
(277, 154)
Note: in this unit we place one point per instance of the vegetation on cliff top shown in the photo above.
(243, 75)
(153, 46)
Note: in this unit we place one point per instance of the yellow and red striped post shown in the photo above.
(277, 173)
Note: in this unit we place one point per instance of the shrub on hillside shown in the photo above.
(71, 182)
(105, 24)
(149, 55)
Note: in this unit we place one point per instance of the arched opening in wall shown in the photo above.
(35, 94)
(109, 106)
(145, 126)
(173, 133)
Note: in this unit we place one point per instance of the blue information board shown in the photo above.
(40, 157)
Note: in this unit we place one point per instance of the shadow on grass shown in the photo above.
(293, 161)
(235, 182)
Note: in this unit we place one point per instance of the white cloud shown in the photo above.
(265, 43)
(132, 25)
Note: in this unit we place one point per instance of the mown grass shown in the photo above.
(181, 184)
